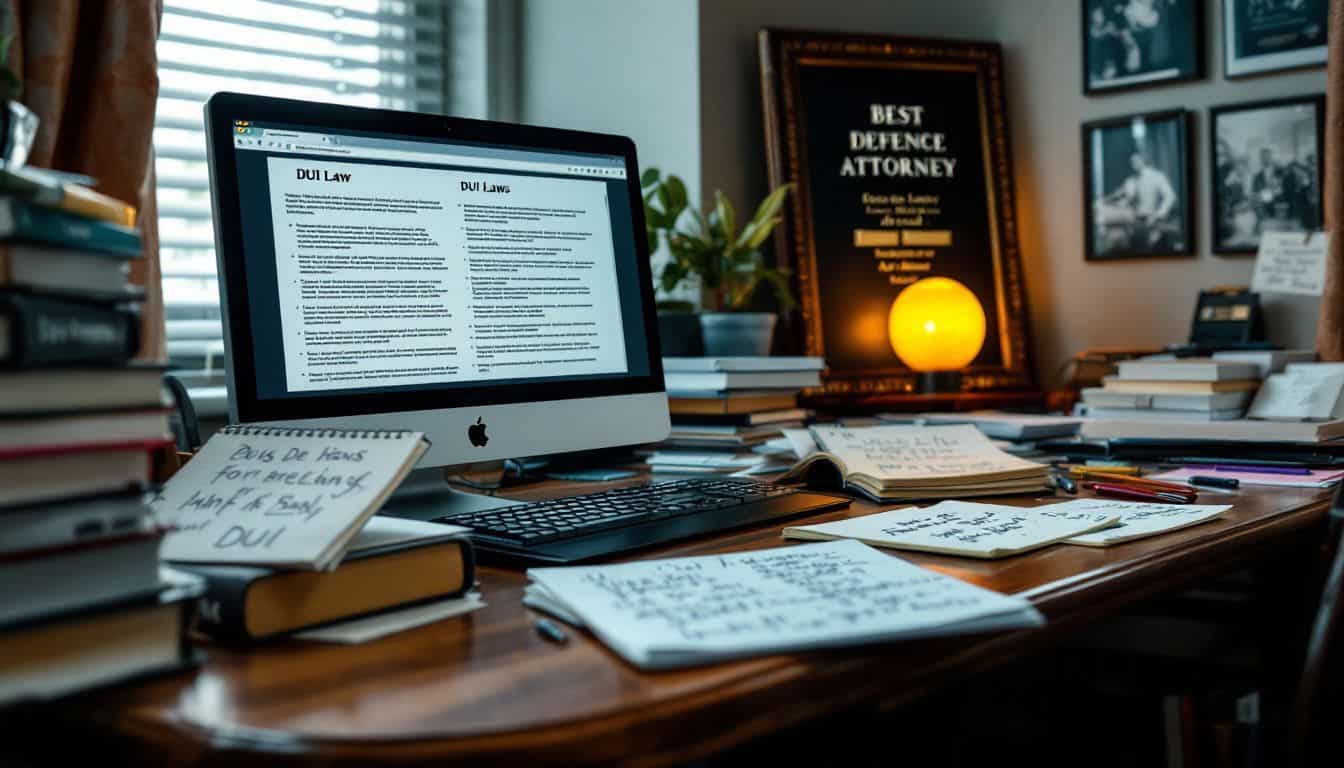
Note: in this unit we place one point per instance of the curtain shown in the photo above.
(1330, 329)
(90, 72)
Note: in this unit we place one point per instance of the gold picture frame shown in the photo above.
(821, 90)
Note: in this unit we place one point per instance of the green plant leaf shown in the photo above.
(652, 234)
(726, 215)
(761, 231)
(779, 282)
(649, 177)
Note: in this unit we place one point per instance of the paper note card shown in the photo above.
(962, 528)
(1291, 262)
(281, 497)
(896, 452)
(1138, 519)
(668, 613)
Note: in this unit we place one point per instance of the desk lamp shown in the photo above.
(937, 327)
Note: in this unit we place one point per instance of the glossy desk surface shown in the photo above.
(486, 689)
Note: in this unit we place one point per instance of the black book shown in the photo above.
(40, 331)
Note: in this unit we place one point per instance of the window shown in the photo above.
(376, 53)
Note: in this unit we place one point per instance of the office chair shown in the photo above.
(1319, 663)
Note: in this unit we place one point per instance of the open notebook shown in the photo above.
(898, 463)
(680, 612)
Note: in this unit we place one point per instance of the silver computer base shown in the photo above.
(425, 494)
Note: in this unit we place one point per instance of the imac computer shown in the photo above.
(486, 284)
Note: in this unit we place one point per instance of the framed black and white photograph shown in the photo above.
(1267, 170)
(1137, 190)
(1137, 43)
(1262, 36)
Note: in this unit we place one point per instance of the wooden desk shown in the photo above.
(485, 689)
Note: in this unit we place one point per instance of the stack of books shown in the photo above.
(1175, 390)
(82, 598)
(725, 410)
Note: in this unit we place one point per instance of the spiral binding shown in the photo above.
(340, 434)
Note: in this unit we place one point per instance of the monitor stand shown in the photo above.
(425, 494)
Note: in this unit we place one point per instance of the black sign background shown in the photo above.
(855, 293)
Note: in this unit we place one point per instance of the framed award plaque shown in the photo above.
(899, 152)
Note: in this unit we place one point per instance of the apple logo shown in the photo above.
(476, 434)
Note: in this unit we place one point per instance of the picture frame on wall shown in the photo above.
(1138, 199)
(1129, 45)
(1266, 169)
(1262, 36)
(899, 152)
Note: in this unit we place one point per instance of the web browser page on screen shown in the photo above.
(385, 263)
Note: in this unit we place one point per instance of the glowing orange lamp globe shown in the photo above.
(936, 325)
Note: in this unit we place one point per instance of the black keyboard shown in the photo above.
(602, 524)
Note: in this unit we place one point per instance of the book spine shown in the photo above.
(221, 612)
(29, 221)
(50, 332)
(83, 201)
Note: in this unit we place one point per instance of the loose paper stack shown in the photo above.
(671, 613)
(964, 528)
(894, 463)
(1137, 519)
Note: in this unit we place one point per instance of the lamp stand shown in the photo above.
(931, 382)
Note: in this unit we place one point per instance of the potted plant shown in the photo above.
(727, 261)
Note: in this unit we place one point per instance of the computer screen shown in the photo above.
(378, 263)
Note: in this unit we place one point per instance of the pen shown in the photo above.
(1261, 470)
(1086, 472)
(1139, 482)
(1065, 484)
(1228, 483)
(1140, 494)
(548, 630)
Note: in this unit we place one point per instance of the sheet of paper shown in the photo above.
(1291, 262)
(384, 531)
(1306, 393)
(897, 452)
(369, 628)
(801, 442)
(660, 613)
(964, 527)
(1138, 519)
(1316, 478)
(268, 499)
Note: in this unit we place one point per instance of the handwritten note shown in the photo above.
(281, 498)
(905, 455)
(680, 612)
(962, 528)
(1137, 519)
(1291, 262)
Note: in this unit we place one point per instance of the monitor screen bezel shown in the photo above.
(220, 113)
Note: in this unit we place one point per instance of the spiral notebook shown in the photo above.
(281, 497)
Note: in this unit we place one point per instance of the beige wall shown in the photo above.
(1074, 304)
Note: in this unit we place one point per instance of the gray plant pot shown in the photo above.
(729, 334)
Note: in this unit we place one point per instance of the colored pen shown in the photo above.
(1140, 494)
(1227, 483)
(548, 630)
(1261, 470)
(1139, 482)
(1080, 471)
